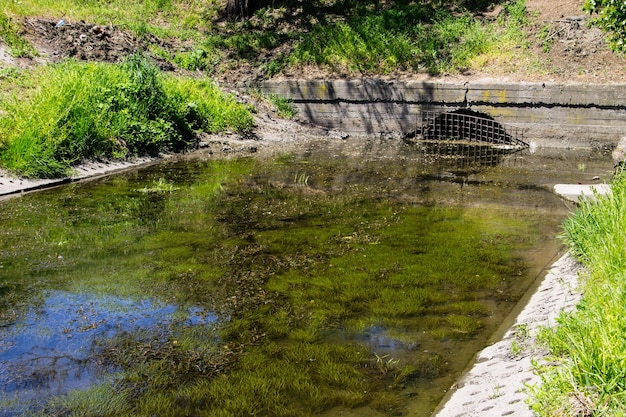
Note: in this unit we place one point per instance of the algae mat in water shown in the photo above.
(308, 284)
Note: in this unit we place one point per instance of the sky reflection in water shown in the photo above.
(50, 351)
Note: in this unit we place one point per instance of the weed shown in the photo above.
(516, 13)
(546, 37)
(203, 58)
(82, 111)
(160, 186)
(284, 106)
(301, 179)
(274, 67)
(496, 392)
(516, 348)
(10, 34)
(386, 365)
(522, 332)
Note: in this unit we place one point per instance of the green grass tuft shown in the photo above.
(10, 34)
(82, 111)
(412, 37)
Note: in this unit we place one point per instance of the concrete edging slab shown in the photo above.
(497, 384)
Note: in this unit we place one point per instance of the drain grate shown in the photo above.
(469, 126)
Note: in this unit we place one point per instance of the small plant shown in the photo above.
(274, 67)
(199, 59)
(301, 179)
(284, 106)
(521, 332)
(160, 186)
(521, 339)
(516, 348)
(496, 392)
(386, 364)
(546, 37)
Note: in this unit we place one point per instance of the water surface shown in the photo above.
(344, 277)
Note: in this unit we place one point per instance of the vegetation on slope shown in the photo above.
(611, 18)
(588, 345)
(77, 111)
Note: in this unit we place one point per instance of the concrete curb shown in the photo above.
(574, 192)
(497, 384)
(13, 186)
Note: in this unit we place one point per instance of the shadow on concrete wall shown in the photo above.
(550, 115)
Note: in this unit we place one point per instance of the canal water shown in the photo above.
(339, 278)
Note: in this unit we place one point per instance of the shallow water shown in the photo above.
(345, 277)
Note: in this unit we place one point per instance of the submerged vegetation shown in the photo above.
(588, 344)
(311, 295)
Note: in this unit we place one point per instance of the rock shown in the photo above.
(619, 153)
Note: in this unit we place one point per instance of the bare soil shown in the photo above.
(577, 52)
(59, 39)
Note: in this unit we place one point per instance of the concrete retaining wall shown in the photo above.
(550, 114)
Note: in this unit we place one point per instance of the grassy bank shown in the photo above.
(355, 38)
(589, 345)
(61, 114)
(416, 37)
(65, 113)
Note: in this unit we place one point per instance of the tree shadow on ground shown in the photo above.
(274, 30)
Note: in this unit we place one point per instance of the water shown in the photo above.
(50, 350)
(338, 278)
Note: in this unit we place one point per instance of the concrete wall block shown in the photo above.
(549, 113)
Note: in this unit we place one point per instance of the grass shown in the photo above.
(142, 17)
(10, 34)
(358, 38)
(284, 106)
(412, 37)
(77, 111)
(588, 344)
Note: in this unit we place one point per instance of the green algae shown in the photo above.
(335, 284)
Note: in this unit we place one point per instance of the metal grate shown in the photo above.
(469, 126)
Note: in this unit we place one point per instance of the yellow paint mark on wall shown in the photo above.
(322, 91)
(576, 119)
(500, 96)
(498, 112)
